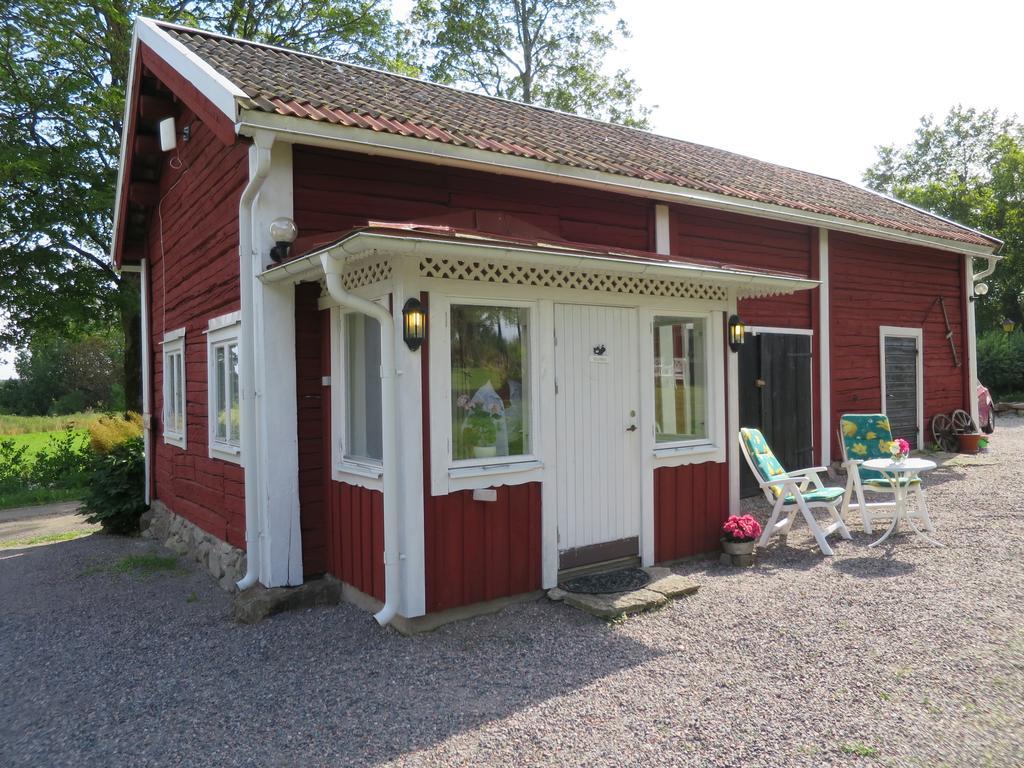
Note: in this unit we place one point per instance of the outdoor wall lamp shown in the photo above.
(414, 323)
(737, 333)
(283, 232)
(980, 289)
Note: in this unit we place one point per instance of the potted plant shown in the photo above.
(481, 430)
(739, 535)
(969, 442)
(899, 449)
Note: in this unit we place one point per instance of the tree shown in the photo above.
(970, 168)
(546, 52)
(63, 70)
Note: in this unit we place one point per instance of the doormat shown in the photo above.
(623, 580)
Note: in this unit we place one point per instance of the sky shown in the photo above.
(813, 85)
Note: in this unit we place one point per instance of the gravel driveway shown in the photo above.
(905, 655)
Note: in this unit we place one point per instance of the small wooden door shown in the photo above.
(901, 373)
(597, 406)
(775, 393)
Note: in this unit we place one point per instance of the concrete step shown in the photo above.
(663, 586)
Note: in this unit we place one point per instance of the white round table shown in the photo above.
(900, 476)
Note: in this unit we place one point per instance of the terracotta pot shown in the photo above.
(738, 547)
(969, 442)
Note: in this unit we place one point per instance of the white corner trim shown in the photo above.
(363, 141)
(662, 230)
(972, 340)
(209, 82)
(911, 333)
(824, 321)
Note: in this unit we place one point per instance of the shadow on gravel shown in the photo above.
(325, 686)
(873, 567)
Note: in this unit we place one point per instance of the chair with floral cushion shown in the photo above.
(791, 492)
(866, 436)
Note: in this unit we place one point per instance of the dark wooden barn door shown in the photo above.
(901, 395)
(776, 397)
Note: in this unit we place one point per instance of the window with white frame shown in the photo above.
(363, 441)
(490, 388)
(223, 393)
(174, 387)
(681, 408)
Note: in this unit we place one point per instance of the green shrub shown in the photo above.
(1001, 362)
(116, 482)
(13, 465)
(110, 431)
(62, 463)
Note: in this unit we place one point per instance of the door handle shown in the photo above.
(631, 428)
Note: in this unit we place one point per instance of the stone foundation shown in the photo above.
(224, 562)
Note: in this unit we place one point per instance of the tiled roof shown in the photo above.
(295, 84)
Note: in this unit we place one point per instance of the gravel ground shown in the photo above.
(905, 655)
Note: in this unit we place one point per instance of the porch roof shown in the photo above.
(439, 242)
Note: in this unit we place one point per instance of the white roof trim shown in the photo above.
(129, 105)
(746, 282)
(364, 141)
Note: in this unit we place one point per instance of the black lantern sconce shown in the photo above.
(283, 232)
(737, 333)
(414, 323)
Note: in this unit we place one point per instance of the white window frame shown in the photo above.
(219, 332)
(447, 473)
(174, 348)
(711, 448)
(362, 472)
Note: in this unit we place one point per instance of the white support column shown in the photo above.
(276, 418)
(972, 338)
(824, 332)
(412, 548)
(662, 232)
(549, 489)
(733, 419)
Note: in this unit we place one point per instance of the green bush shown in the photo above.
(116, 481)
(13, 465)
(62, 463)
(1001, 362)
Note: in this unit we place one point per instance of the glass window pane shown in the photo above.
(180, 387)
(680, 379)
(362, 379)
(234, 406)
(220, 392)
(490, 392)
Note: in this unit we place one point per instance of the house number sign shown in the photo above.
(599, 355)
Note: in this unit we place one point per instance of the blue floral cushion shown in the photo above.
(819, 494)
(764, 460)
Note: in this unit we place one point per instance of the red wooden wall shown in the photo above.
(194, 277)
(336, 191)
(700, 234)
(343, 530)
(690, 504)
(875, 283)
(310, 393)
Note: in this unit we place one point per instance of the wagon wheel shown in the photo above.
(963, 423)
(942, 431)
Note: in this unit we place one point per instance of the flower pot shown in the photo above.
(485, 451)
(738, 547)
(969, 442)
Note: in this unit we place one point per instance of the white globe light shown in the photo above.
(283, 230)
(981, 289)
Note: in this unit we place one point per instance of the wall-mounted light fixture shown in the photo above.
(737, 333)
(283, 232)
(980, 289)
(414, 323)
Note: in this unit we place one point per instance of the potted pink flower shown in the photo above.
(899, 449)
(739, 535)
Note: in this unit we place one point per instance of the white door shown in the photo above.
(597, 405)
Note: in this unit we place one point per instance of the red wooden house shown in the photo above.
(498, 348)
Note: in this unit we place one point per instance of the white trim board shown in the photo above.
(758, 329)
(363, 141)
(824, 321)
(910, 333)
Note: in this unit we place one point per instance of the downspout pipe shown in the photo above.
(259, 169)
(389, 427)
(992, 262)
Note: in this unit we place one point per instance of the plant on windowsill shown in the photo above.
(739, 535)
(480, 429)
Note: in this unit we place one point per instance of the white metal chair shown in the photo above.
(791, 492)
(866, 436)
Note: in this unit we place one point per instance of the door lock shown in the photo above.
(631, 428)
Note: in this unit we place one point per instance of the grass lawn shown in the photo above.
(36, 441)
(32, 496)
(25, 425)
